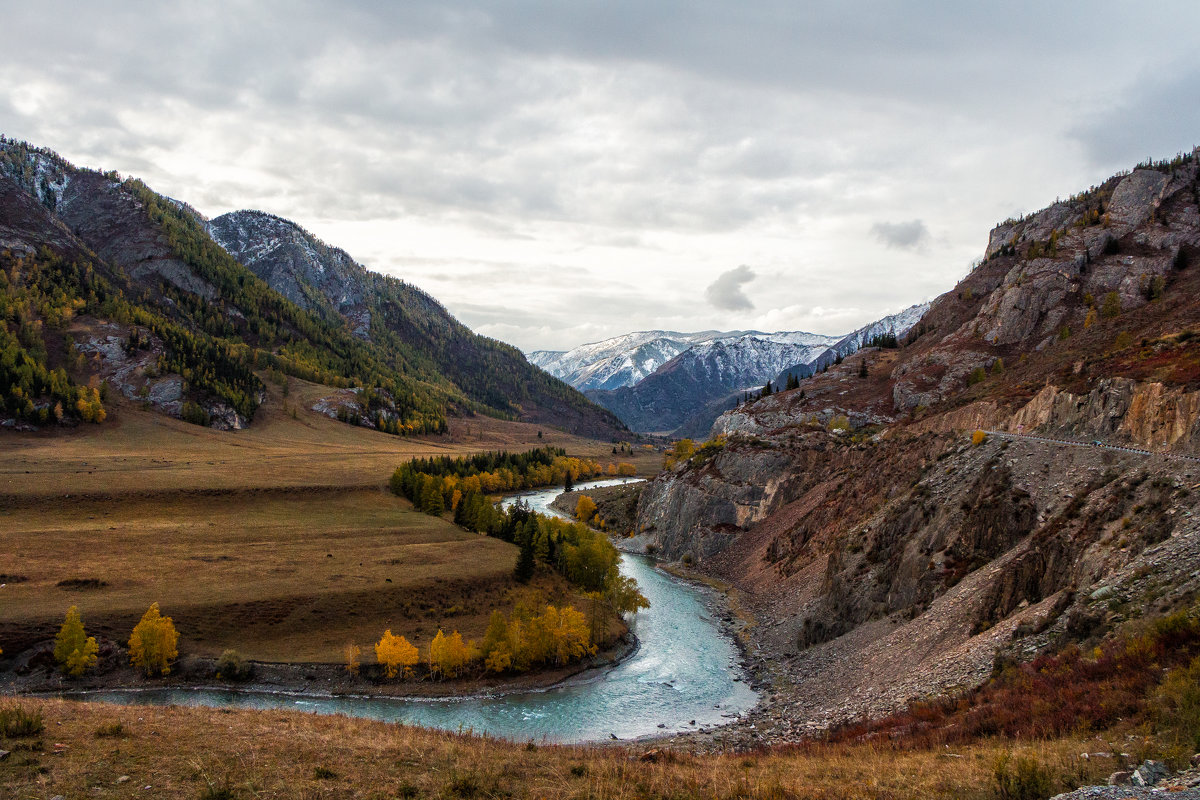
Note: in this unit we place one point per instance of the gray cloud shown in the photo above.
(628, 145)
(726, 292)
(1154, 118)
(901, 235)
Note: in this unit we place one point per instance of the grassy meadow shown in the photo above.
(280, 541)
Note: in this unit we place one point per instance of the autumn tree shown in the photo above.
(500, 643)
(353, 654)
(74, 650)
(395, 653)
(585, 509)
(152, 645)
(449, 654)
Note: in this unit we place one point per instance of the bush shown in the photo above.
(195, 414)
(978, 438)
(1023, 778)
(232, 667)
(115, 730)
(977, 376)
(16, 722)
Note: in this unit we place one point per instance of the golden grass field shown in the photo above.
(280, 541)
(203, 753)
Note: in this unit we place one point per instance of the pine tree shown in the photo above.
(525, 563)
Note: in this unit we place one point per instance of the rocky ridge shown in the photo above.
(887, 555)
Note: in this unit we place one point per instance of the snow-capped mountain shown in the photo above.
(621, 360)
(897, 325)
(688, 391)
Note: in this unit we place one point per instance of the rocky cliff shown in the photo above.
(886, 550)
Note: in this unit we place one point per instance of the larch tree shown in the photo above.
(152, 647)
(74, 650)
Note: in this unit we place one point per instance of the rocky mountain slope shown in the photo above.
(399, 318)
(108, 281)
(887, 551)
(686, 393)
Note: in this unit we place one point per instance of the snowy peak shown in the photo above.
(897, 325)
(622, 360)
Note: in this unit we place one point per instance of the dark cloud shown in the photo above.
(902, 235)
(1154, 118)
(726, 292)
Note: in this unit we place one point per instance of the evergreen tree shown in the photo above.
(525, 562)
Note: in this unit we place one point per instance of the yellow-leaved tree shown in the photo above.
(152, 645)
(449, 654)
(585, 509)
(395, 653)
(74, 650)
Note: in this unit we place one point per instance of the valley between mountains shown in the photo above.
(925, 537)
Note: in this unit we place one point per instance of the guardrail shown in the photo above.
(1095, 443)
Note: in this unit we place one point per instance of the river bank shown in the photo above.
(34, 674)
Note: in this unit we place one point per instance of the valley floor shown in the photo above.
(280, 541)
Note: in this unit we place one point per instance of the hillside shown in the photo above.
(868, 527)
(108, 281)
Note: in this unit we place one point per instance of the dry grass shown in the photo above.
(142, 451)
(194, 753)
(278, 575)
(279, 541)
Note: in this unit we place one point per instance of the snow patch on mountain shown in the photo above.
(622, 360)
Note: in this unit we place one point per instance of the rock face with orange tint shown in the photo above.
(882, 554)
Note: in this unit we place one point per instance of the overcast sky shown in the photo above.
(560, 172)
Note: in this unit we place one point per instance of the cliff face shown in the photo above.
(860, 519)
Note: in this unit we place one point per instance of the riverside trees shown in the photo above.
(74, 650)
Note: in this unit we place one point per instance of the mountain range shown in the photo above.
(111, 279)
(678, 383)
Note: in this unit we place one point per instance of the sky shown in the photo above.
(558, 173)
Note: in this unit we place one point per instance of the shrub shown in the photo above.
(978, 438)
(16, 722)
(232, 667)
(977, 376)
(115, 730)
(195, 414)
(1022, 778)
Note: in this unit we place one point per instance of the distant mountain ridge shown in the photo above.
(181, 311)
(621, 360)
(670, 382)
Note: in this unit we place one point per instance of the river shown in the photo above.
(683, 676)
